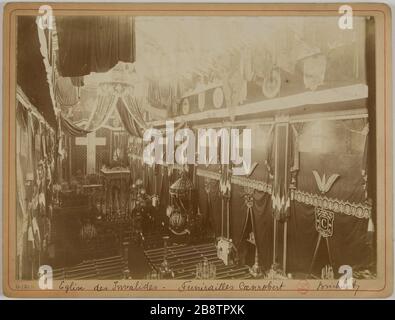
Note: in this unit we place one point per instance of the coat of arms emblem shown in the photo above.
(324, 222)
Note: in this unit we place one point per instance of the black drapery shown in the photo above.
(31, 73)
(344, 153)
(348, 244)
(349, 185)
(341, 151)
(128, 122)
(209, 203)
(94, 44)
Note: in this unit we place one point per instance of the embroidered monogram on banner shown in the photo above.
(324, 222)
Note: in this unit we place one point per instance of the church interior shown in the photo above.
(88, 87)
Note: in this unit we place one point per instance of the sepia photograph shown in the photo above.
(197, 152)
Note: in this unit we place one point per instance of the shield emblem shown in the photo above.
(324, 222)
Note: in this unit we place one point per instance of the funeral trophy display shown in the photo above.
(180, 209)
(324, 218)
(225, 247)
(116, 185)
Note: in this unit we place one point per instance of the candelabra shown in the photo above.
(327, 272)
(153, 275)
(165, 266)
(205, 270)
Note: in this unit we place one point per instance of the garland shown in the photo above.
(358, 210)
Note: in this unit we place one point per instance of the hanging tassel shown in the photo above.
(370, 225)
(370, 233)
(30, 236)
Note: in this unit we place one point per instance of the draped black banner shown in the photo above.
(94, 44)
(31, 73)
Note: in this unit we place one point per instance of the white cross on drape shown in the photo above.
(91, 141)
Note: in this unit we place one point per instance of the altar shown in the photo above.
(116, 190)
